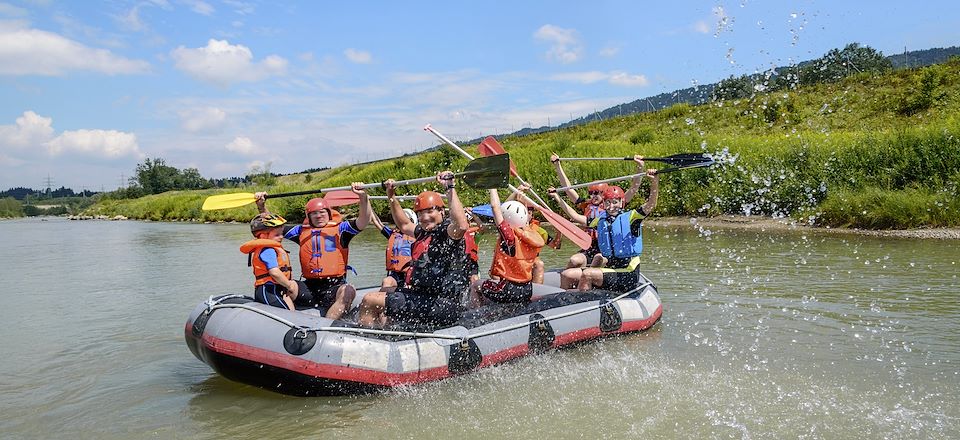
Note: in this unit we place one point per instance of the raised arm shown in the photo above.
(375, 219)
(577, 217)
(495, 207)
(399, 218)
(458, 225)
(261, 202)
(651, 203)
(363, 219)
(635, 184)
(564, 181)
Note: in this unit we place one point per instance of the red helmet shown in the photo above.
(613, 192)
(428, 199)
(599, 187)
(317, 204)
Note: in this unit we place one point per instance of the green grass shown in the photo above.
(868, 152)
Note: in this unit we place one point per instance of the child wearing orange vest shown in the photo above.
(273, 283)
(398, 253)
(518, 246)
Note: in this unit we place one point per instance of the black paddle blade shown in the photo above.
(683, 159)
(487, 172)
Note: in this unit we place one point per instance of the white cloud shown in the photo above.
(627, 80)
(243, 145)
(25, 51)
(200, 7)
(609, 51)
(616, 77)
(110, 144)
(203, 120)
(701, 27)
(358, 56)
(565, 43)
(31, 130)
(220, 62)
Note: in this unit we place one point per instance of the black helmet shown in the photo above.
(265, 221)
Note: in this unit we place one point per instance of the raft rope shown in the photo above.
(215, 304)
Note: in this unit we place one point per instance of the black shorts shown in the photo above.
(504, 291)
(406, 306)
(621, 281)
(473, 268)
(272, 295)
(397, 276)
(324, 291)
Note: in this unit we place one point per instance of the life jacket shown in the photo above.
(615, 240)
(437, 264)
(470, 243)
(321, 255)
(591, 211)
(518, 267)
(260, 272)
(398, 251)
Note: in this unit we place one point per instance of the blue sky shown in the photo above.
(87, 90)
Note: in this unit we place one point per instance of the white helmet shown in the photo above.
(411, 215)
(515, 213)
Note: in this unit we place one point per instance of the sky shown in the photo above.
(89, 89)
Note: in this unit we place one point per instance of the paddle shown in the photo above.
(578, 236)
(631, 176)
(679, 160)
(482, 173)
(341, 198)
(489, 147)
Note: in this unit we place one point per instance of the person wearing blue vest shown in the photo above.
(620, 241)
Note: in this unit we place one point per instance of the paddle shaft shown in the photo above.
(628, 177)
(470, 157)
(365, 186)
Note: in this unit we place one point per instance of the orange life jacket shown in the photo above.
(517, 268)
(398, 251)
(260, 272)
(321, 255)
(470, 243)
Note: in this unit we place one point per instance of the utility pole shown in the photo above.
(123, 181)
(49, 183)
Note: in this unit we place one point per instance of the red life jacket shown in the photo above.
(260, 272)
(399, 251)
(321, 255)
(517, 268)
(470, 243)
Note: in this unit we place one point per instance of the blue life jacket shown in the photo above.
(615, 239)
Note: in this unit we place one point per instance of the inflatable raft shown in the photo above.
(302, 353)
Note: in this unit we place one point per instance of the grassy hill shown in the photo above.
(869, 151)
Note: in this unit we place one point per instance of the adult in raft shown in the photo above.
(589, 208)
(433, 288)
(518, 246)
(619, 240)
(324, 250)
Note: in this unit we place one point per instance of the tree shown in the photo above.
(154, 176)
(840, 63)
(733, 88)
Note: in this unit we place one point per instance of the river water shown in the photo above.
(781, 334)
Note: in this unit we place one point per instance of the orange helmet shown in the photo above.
(428, 199)
(613, 192)
(598, 187)
(316, 204)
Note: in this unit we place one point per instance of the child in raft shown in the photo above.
(518, 246)
(398, 254)
(273, 284)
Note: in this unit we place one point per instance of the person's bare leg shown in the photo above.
(388, 283)
(569, 278)
(577, 260)
(592, 278)
(474, 300)
(538, 271)
(371, 309)
(598, 261)
(345, 295)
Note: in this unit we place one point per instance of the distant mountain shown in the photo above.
(926, 57)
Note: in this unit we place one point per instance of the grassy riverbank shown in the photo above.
(868, 152)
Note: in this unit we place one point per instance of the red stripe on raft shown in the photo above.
(381, 378)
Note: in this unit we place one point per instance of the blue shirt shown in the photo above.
(269, 258)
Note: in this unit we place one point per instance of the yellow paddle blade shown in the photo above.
(227, 201)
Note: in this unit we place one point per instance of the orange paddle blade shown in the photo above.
(578, 236)
(490, 147)
(341, 198)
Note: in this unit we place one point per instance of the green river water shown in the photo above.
(783, 334)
